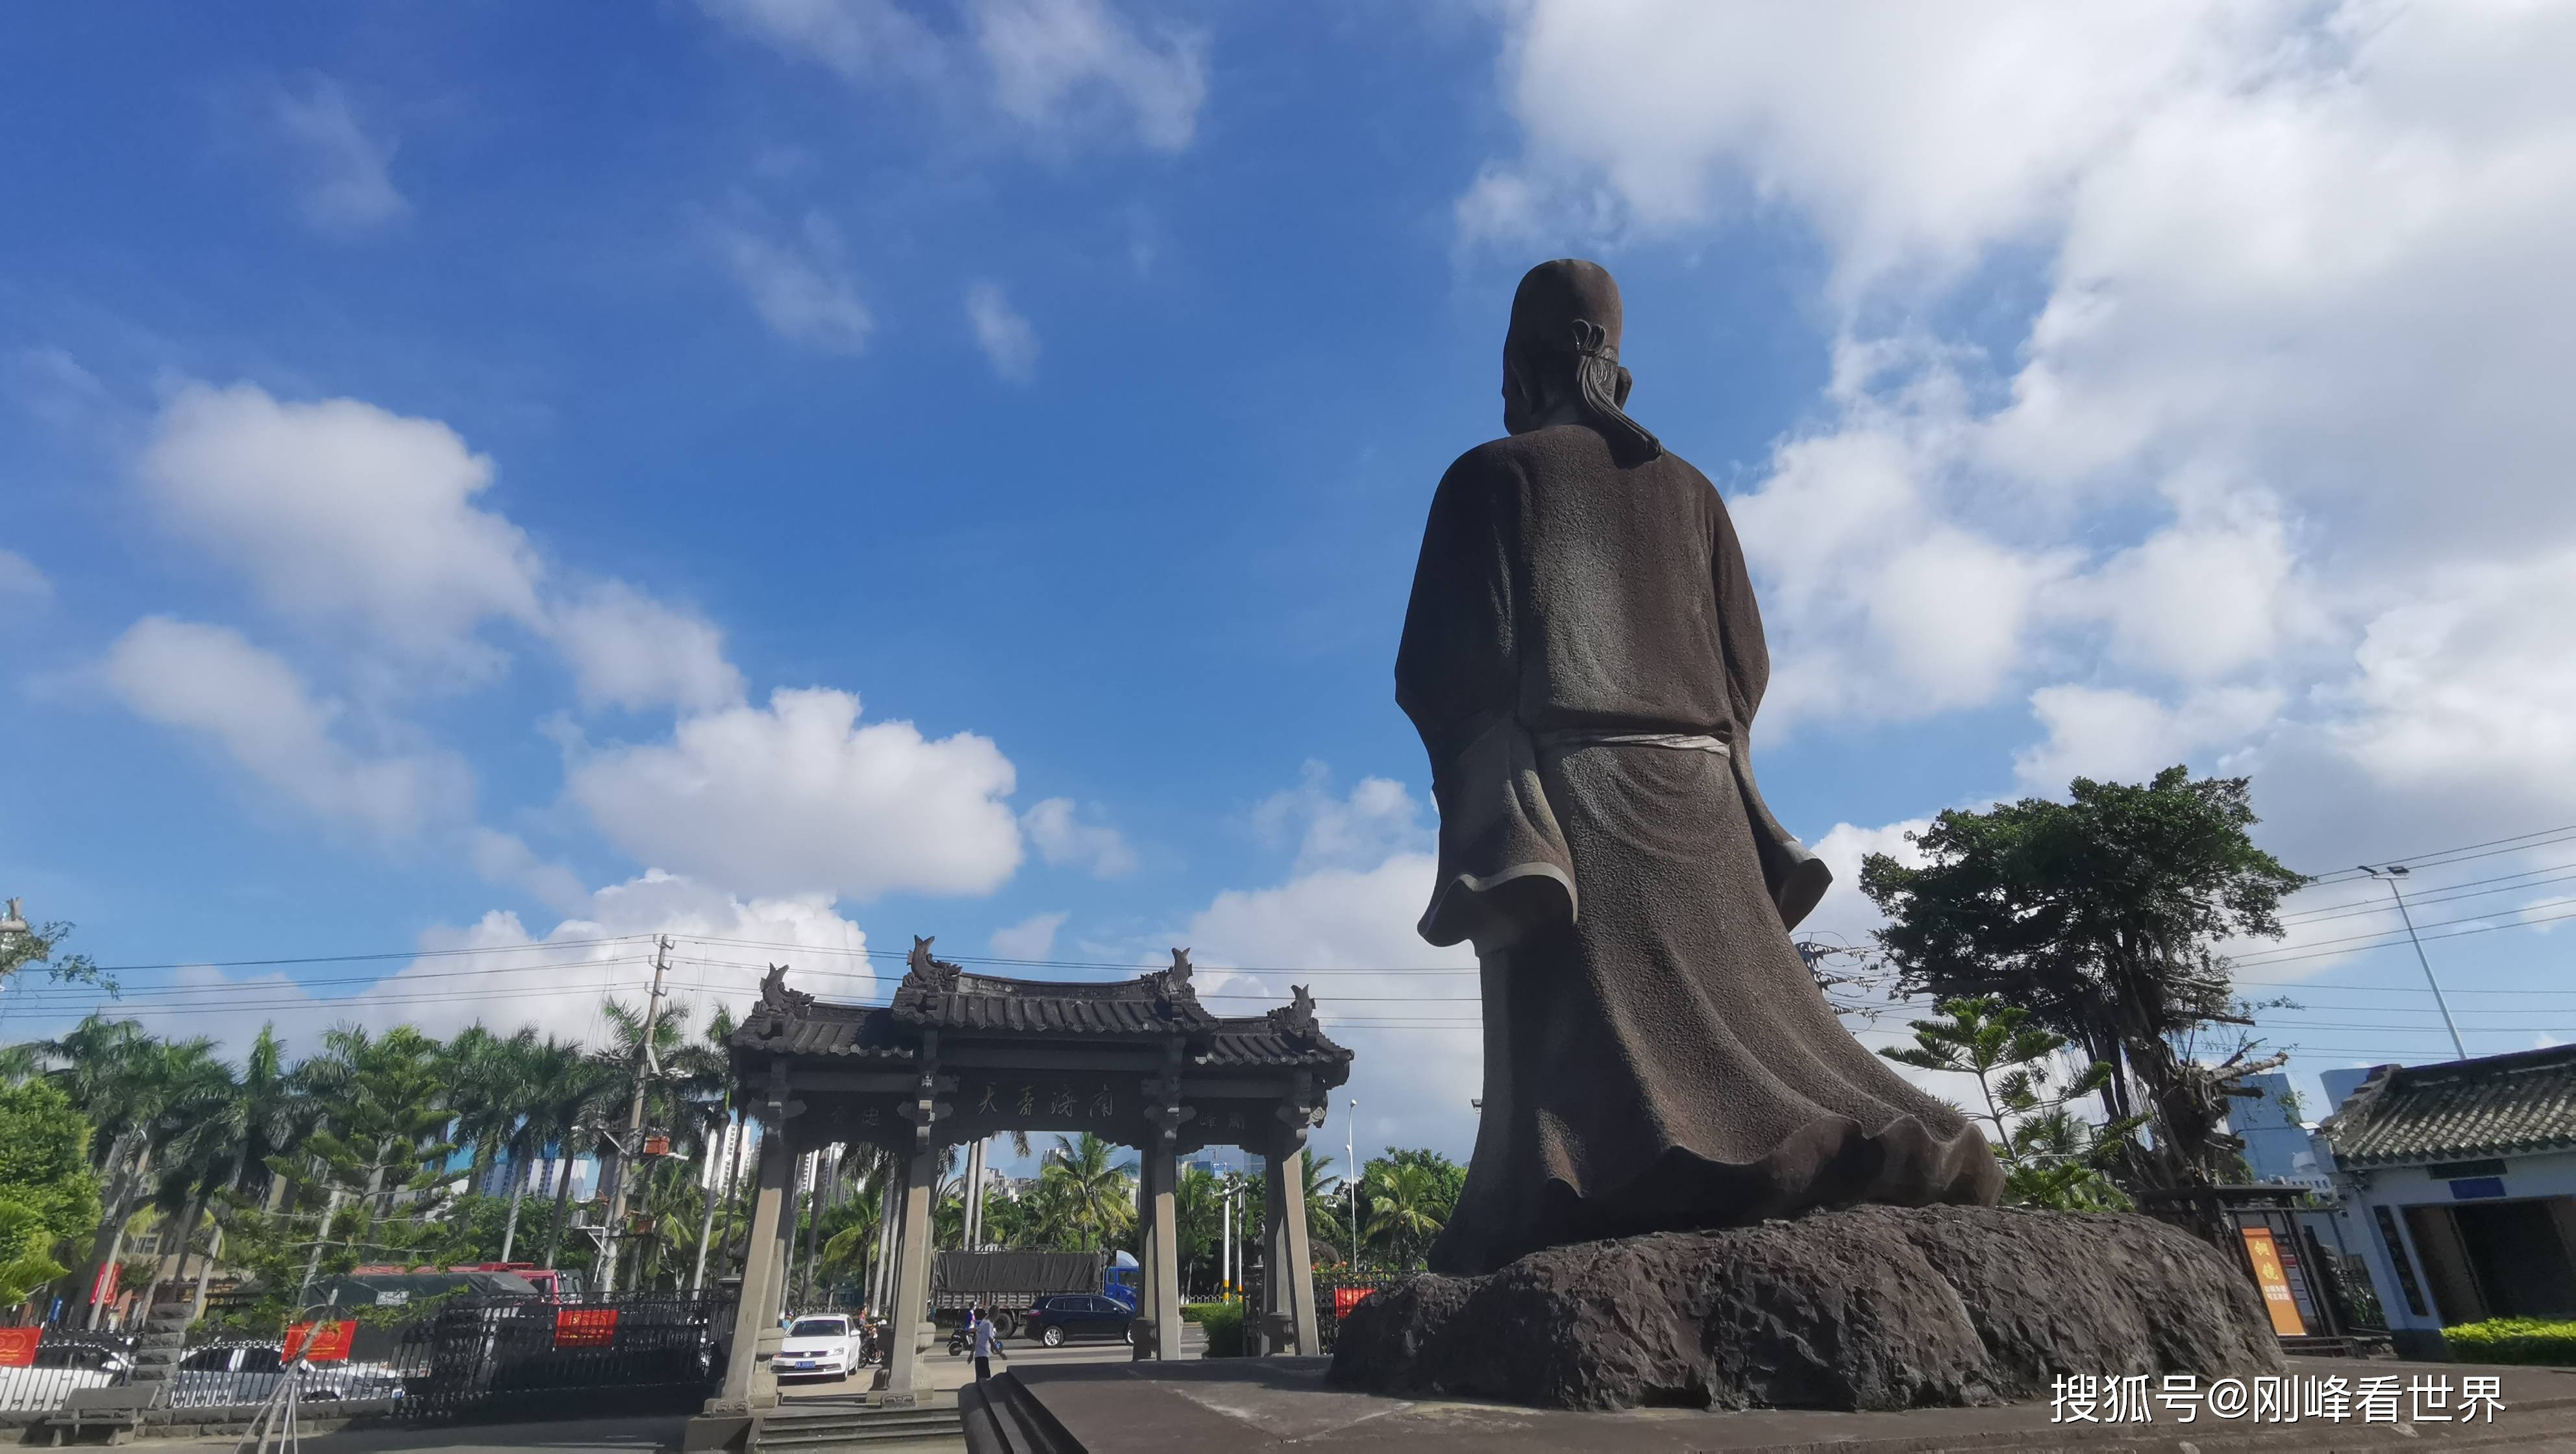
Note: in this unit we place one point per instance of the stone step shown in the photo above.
(855, 1429)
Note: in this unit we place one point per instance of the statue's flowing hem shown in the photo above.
(1829, 1162)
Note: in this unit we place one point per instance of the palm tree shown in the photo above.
(1087, 1201)
(123, 1080)
(1403, 1209)
(566, 1097)
(1198, 1213)
(201, 1131)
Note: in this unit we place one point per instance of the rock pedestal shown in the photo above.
(1873, 1308)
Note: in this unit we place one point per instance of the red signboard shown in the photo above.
(1347, 1298)
(18, 1346)
(104, 1290)
(585, 1327)
(321, 1342)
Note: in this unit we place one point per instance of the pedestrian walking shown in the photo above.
(986, 1345)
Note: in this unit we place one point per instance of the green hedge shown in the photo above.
(1224, 1325)
(2513, 1340)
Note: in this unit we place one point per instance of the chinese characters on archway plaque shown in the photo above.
(2085, 1398)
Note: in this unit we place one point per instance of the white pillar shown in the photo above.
(1163, 1273)
(906, 1380)
(752, 1317)
(1289, 1279)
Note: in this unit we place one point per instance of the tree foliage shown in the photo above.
(48, 1194)
(2101, 915)
(2052, 1158)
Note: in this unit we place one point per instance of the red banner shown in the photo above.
(104, 1290)
(1347, 1298)
(585, 1327)
(18, 1346)
(330, 1344)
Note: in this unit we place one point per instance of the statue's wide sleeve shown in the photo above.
(1456, 664)
(1503, 861)
(1793, 874)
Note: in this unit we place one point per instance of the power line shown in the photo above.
(2440, 856)
(75, 992)
(2390, 939)
(2441, 894)
(354, 958)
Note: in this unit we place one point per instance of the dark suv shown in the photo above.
(1053, 1320)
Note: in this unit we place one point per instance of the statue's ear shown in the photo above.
(1627, 381)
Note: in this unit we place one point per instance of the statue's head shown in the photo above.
(1561, 357)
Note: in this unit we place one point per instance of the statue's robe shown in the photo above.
(1583, 659)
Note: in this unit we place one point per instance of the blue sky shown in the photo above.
(431, 438)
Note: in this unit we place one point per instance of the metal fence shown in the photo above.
(63, 1360)
(523, 1359)
(514, 1358)
(1339, 1290)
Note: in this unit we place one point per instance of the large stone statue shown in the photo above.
(1583, 659)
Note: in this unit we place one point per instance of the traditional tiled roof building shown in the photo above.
(2465, 1172)
(957, 1057)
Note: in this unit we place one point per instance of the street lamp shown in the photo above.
(2392, 875)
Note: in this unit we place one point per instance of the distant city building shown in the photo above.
(2341, 1082)
(2277, 1145)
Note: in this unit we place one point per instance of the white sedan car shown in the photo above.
(819, 1347)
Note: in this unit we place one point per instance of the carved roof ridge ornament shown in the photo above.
(1296, 1019)
(927, 974)
(777, 998)
(1174, 998)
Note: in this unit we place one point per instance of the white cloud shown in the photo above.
(799, 283)
(503, 858)
(2206, 597)
(24, 590)
(1350, 907)
(207, 679)
(628, 649)
(1914, 137)
(1031, 938)
(1055, 66)
(554, 981)
(341, 515)
(347, 186)
(2109, 734)
(2466, 688)
(798, 798)
(1845, 915)
(859, 39)
(2284, 429)
(1413, 1077)
(1375, 821)
(1054, 57)
(1882, 595)
(1006, 338)
(1064, 841)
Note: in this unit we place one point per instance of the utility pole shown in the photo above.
(647, 1065)
(2392, 875)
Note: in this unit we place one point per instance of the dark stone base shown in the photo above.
(1875, 1308)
